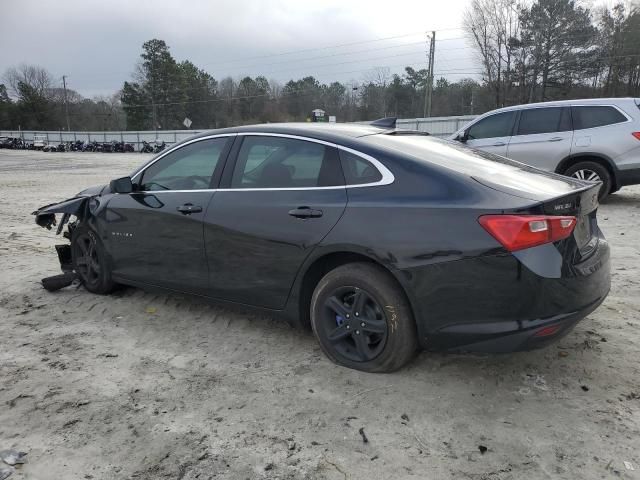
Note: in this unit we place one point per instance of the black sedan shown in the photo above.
(382, 241)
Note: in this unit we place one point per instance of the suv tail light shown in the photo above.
(517, 232)
(636, 134)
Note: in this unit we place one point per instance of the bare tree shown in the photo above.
(492, 25)
(35, 77)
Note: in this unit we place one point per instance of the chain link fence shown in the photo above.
(437, 126)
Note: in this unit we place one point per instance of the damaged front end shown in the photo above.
(79, 208)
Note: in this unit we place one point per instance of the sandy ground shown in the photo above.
(146, 386)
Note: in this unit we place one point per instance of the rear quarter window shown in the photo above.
(595, 116)
(357, 170)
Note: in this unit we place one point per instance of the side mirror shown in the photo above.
(463, 136)
(121, 185)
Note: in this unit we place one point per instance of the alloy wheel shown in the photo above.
(86, 258)
(354, 324)
(586, 174)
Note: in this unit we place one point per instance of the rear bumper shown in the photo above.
(497, 304)
(513, 336)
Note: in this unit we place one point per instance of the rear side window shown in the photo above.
(596, 116)
(544, 120)
(498, 125)
(357, 170)
(278, 162)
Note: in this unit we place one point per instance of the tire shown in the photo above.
(584, 170)
(94, 273)
(341, 297)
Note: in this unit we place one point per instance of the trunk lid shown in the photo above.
(582, 204)
(556, 195)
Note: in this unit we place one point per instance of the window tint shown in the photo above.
(187, 168)
(277, 162)
(498, 125)
(357, 170)
(544, 120)
(597, 116)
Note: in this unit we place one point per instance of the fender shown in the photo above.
(562, 166)
(292, 310)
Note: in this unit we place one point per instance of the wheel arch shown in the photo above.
(321, 264)
(599, 158)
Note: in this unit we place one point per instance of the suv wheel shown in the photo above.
(362, 319)
(593, 172)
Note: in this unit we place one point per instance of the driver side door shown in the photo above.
(155, 233)
(493, 133)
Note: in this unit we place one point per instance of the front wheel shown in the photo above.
(90, 260)
(362, 319)
(593, 172)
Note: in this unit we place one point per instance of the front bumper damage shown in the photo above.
(81, 207)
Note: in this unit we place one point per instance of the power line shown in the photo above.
(262, 57)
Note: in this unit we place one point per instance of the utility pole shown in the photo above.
(428, 91)
(153, 102)
(66, 104)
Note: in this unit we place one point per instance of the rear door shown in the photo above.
(542, 137)
(155, 233)
(280, 196)
(492, 133)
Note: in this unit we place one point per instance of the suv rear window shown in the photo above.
(596, 116)
(544, 120)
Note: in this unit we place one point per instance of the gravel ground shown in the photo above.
(148, 386)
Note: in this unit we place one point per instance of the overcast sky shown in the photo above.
(97, 43)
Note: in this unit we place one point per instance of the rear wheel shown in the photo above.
(362, 319)
(90, 261)
(593, 172)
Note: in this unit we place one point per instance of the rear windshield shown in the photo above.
(477, 164)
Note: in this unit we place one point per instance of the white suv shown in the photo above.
(595, 139)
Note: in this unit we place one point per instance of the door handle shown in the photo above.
(189, 208)
(555, 139)
(499, 144)
(305, 212)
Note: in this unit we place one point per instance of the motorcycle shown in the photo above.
(159, 147)
(146, 147)
(77, 146)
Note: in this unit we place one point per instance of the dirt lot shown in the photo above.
(146, 386)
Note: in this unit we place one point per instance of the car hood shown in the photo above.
(45, 215)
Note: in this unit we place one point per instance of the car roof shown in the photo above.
(559, 103)
(322, 131)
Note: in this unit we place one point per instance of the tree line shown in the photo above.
(535, 50)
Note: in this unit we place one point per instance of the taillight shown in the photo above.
(547, 331)
(516, 232)
(636, 134)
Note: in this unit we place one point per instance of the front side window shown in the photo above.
(357, 170)
(498, 125)
(596, 116)
(278, 162)
(187, 168)
(544, 120)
